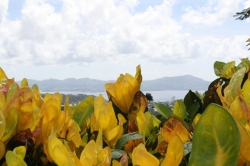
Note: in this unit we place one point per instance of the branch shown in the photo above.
(243, 14)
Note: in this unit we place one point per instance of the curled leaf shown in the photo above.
(140, 156)
(174, 153)
(174, 126)
(58, 151)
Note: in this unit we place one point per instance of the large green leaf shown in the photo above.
(125, 138)
(192, 112)
(180, 109)
(163, 110)
(84, 110)
(216, 139)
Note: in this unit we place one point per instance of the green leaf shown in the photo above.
(191, 98)
(192, 112)
(216, 139)
(12, 90)
(11, 122)
(84, 110)
(163, 110)
(117, 153)
(218, 68)
(125, 138)
(180, 109)
(224, 70)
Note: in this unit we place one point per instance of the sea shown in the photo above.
(158, 96)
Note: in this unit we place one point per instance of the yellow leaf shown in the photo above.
(24, 82)
(116, 163)
(174, 153)
(16, 157)
(20, 151)
(23, 101)
(174, 126)
(88, 154)
(58, 151)
(140, 156)
(235, 108)
(2, 101)
(244, 146)
(38, 99)
(104, 113)
(2, 124)
(196, 119)
(11, 122)
(122, 92)
(139, 104)
(2, 74)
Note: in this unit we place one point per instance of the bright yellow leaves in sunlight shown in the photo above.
(122, 92)
(58, 152)
(140, 156)
(174, 153)
(105, 117)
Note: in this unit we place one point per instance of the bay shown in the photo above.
(158, 96)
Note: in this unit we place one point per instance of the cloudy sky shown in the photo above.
(42, 39)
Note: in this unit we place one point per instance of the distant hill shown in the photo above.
(185, 82)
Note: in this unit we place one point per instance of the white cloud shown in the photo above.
(84, 32)
(3, 10)
(212, 13)
(247, 4)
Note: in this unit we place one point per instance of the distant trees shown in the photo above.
(244, 14)
(149, 97)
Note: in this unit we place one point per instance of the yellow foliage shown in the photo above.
(122, 92)
(140, 156)
(175, 152)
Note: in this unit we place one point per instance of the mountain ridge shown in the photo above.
(185, 82)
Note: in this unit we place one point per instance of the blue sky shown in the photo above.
(42, 39)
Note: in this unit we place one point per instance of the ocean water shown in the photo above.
(158, 96)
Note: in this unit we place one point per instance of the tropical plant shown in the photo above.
(209, 129)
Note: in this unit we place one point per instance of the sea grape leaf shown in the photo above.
(172, 126)
(180, 109)
(216, 139)
(244, 146)
(125, 138)
(140, 156)
(84, 110)
(38, 99)
(174, 153)
(163, 110)
(231, 91)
